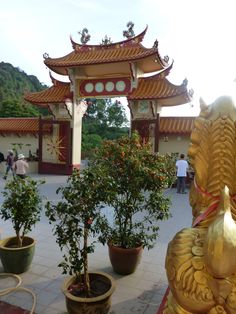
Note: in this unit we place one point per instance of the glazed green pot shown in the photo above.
(99, 304)
(124, 261)
(16, 260)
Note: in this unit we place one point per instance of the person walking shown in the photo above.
(20, 166)
(181, 167)
(1, 157)
(9, 164)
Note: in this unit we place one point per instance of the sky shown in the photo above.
(199, 35)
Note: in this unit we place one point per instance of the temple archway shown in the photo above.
(121, 69)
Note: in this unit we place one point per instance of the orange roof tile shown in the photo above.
(54, 94)
(19, 125)
(125, 51)
(157, 87)
(177, 125)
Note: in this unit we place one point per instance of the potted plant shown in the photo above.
(75, 221)
(22, 205)
(134, 180)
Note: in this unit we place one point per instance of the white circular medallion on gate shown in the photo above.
(109, 86)
(99, 87)
(89, 87)
(120, 86)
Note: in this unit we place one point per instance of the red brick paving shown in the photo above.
(7, 308)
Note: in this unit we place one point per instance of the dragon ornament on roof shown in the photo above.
(129, 33)
(85, 37)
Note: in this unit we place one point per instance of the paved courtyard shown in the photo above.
(140, 292)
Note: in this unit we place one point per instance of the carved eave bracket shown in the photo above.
(130, 102)
(72, 77)
(61, 111)
(135, 74)
(68, 106)
(51, 108)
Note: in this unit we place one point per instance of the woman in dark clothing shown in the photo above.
(9, 163)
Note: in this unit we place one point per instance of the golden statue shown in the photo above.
(201, 261)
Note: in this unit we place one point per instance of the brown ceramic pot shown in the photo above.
(99, 304)
(124, 261)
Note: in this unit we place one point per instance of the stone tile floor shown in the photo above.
(141, 292)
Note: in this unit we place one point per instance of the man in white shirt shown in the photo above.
(20, 166)
(181, 167)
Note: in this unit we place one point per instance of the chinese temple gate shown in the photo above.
(121, 69)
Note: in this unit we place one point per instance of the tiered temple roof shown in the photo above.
(57, 93)
(158, 87)
(123, 60)
(127, 51)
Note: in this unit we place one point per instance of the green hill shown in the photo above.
(13, 84)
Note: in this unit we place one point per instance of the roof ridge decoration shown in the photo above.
(130, 32)
(129, 41)
(85, 37)
(184, 85)
(106, 41)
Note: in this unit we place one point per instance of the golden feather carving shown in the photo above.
(212, 155)
(198, 259)
(185, 266)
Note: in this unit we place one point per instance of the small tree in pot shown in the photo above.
(134, 182)
(22, 205)
(75, 220)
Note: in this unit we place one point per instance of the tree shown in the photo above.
(106, 113)
(15, 108)
(104, 119)
(13, 84)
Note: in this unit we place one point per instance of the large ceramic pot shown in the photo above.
(16, 260)
(124, 261)
(98, 304)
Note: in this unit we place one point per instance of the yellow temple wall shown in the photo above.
(23, 143)
(174, 144)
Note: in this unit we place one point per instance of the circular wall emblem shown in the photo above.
(109, 87)
(89, 87)
(120, 86)
(99, 87)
